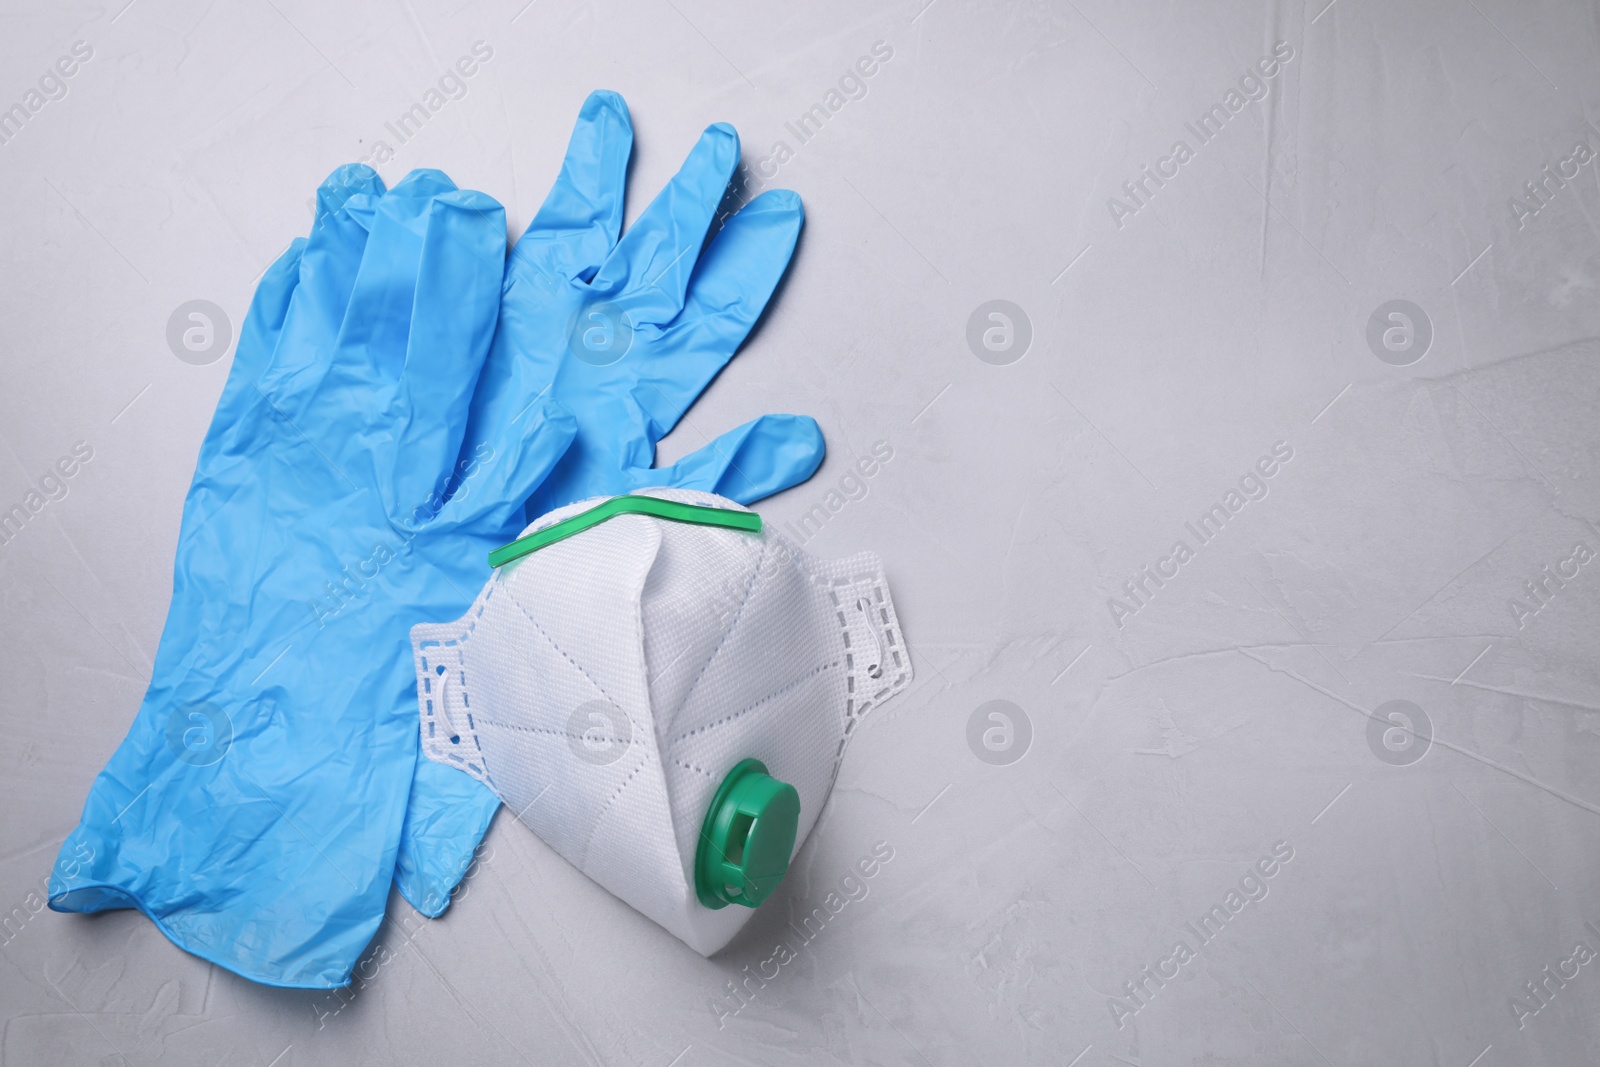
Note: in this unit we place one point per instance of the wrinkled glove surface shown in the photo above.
(254, 809)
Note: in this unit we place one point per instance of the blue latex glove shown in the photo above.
(624, 334)
(254, 810)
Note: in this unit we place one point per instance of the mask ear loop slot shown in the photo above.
(441, 704)
(875, 668)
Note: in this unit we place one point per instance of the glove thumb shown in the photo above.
(751, 463)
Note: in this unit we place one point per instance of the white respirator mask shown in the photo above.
(662, 691)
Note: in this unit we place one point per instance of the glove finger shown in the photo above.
(263, 324)
(363, 209)
(731, 287)
(751, 463)
(500, 469)
(578, 225)
(347, 186)
(453, 313)
(371, 348)
(447, 815)
(650, 268)
(327, 275)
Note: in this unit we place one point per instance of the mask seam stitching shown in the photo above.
(697, 770)
(644, 757)
(780, 691)
(749, 591)
(457, 642)
(600, 815)
(478, 768)
(563, 654)
(531, 729)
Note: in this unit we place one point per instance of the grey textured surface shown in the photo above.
(1171, 743)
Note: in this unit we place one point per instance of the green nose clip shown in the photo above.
(747, 837)
(694, 514)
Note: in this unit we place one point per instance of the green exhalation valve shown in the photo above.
(747, 838)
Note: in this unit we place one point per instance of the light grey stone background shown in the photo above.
(1440, 861)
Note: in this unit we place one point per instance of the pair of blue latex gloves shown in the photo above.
(403, 396)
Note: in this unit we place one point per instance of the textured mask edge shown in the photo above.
(447, 732)
(877, 658)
